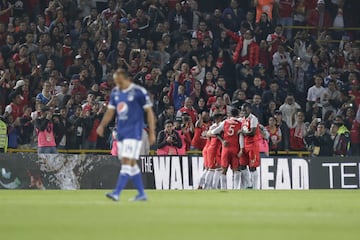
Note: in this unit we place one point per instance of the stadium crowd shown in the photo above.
(195, 58)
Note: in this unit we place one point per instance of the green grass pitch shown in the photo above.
(88, 215)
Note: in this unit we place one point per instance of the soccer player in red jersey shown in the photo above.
(213, 153)
(230, 148)
(249, 153)
(201, 127)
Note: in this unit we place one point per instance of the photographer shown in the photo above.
(320, 141)
(25, 129)
(75, 134)
(168, 140)
(91, 122)
(61, 127)
(45, 131)
(184, 127)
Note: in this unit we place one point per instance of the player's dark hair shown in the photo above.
(246, 105)
(123, 72)
(234, 112)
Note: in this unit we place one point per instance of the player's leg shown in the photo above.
(124, 176)
(212, 166)
(209, 178)
(244, 174)
(245, 181)
(202, 178)
(205, 172)
(217, 177)
(132, 150)
(254, 162)
(234, 163)
(224, 167)
(218, 170)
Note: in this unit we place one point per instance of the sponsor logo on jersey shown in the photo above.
(122, 109)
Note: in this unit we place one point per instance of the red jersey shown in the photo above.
(199, 139)
(248, 123)
(356, 96)
(285, 8)
(14, 110)
(354, 132)
(297, 136)
(68, 58)
(214, 150)
(4, 18)
(201, 35)
(190, 111)
(232, 128)
(274, 137)
(108, 14)
(275, 45)
(24, 67)
(209, 88)
(93, 135)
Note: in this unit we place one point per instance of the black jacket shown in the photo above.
(162, 136)
(324, 142)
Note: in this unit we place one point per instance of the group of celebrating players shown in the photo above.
(231, 142)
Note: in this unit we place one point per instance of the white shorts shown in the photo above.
(129, 148)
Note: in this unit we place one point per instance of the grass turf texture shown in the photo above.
(181, 215)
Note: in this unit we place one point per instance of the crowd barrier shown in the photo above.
(152, 152)
(89, 171)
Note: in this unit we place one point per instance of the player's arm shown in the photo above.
(241, 143)
(151, 124)
(223, 141)
(199, 122)
(107, 118)
(253, 125)
(250, 133)
(217, 130)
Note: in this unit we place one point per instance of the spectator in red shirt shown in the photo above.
(202, 32)
(246, 48)
(355, 93)
(285, 15)
(319, 18)
(5, 11)
(78, 88)
(22, 60)
(91, 122)
(13, 108)
(297, 134)
(189, 109)
(275, 39)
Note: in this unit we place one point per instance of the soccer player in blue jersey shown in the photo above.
(130, 102)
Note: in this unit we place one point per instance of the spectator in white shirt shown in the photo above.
(288, 110)
(330, 98)
(282, 59)
(315, 92)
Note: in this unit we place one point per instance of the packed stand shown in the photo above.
(195, 58)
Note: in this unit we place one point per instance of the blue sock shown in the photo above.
(137, 179)
(123, 179)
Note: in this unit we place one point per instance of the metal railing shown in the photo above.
(152, 152)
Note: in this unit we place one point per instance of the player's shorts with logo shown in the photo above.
(250, 156)
(229, 157)
(214, 156)
(129, 148)
(205, 156)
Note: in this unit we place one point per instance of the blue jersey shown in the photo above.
(129, 105)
